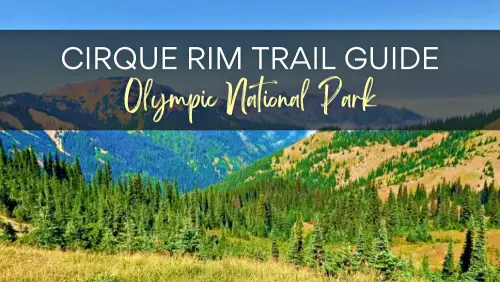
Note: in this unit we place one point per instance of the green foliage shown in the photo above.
(383, 256)
(188, 239)
(47, 233)
(361, 253)
(425, 269)
(317, 247)
(488, 169)
(109, 242)
(478, 262)
(296, 251)
(465, 258)
(347, 139)
(337, 262)
(188, 156)
(211, 248)
(419, 234)
(448, 264)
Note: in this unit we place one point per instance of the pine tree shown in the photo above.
(268, 219)
(265, 214)
(127, 238)
(296, 255)
(47, 234)
(468, 246)
(375, 213)
(465, 211)
(384, 260)
(494, 220)
(478, 261)
(138, 213)
(425, 269)
(360, 255)
(317, 249)
(188, 238)
(448, 265)
(108, 243)
(3, 156)
(443, 212)
(393, 218)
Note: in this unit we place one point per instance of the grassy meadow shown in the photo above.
(436, 250)
(21, 263)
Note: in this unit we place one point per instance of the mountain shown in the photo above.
(100, 104)
(191, 157)
(391, 158)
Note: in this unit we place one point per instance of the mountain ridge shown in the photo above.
(332, 159)
(99, 104)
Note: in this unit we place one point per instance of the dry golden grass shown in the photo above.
(436, 251)
(20, 263)
(360, 161)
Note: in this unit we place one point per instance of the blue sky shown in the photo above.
(250, 14)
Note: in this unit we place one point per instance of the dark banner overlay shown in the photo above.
(235, 80)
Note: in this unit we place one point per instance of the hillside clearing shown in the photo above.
(436, 250)
(328, 161)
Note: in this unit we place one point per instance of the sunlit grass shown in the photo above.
(21, 263)
(436, 250)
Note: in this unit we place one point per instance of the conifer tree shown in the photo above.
(393, 217)
(188, 238)
(468, 246)
(317, 248)
(494, 220)
(375, 213)
(109, 242)
(425, 269)
(264, 213)
(47, 234)
(127, 238)
(3, 156)
(465, 211)
(360, 255)
(478, 261)
(296, 255)
(448, 264)
(268, 219)
(383, 257)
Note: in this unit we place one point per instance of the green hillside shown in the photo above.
(390, 158)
